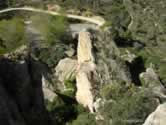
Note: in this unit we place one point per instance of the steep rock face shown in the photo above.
(84, 79)
(85, 71)
(109, 64)
(84, 50)
(158, 117)
(21, 94)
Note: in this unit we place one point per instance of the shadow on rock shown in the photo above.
(21, 96)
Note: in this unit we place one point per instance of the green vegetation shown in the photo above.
(128, 105)
(70, 84)
(84, 119)
(124, 103)
(52, 105)
(11, 35)
(51, 28)
(79, 4)
(51, 55)
(63, 112)
(155, 56)
(53, 33)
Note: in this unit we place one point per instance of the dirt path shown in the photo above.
(88, 19)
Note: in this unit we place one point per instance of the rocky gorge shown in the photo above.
(71, 72)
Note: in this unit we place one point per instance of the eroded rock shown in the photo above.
(158, 117)
(65, 70)
(85, 71)
(84, 50)
(151, 80)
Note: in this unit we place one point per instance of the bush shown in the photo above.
(52, 54)
(70, 85)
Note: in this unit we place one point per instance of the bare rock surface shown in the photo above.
(85, 71)
(84, 50)
(158, 117)
(48, 93)
(65, 69)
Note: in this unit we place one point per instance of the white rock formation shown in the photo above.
(84, 50)
(66, 68)
(85, 71)
(158, 117)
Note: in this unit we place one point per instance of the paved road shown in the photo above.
(98, 22)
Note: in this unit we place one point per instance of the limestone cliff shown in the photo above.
(86, 70)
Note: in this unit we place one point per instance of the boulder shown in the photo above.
(65, 70)
(151, 80)
(158, 117)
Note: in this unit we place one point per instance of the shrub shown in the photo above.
(70, 85)
(52, 54)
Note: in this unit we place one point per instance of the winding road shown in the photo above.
(96, 21)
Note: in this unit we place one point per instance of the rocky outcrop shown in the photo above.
(109, 64)
(158, 117)
(150, 77)
(151, 80)
(85, 71)
(84, 79)
(66, 69)
(84, 50)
